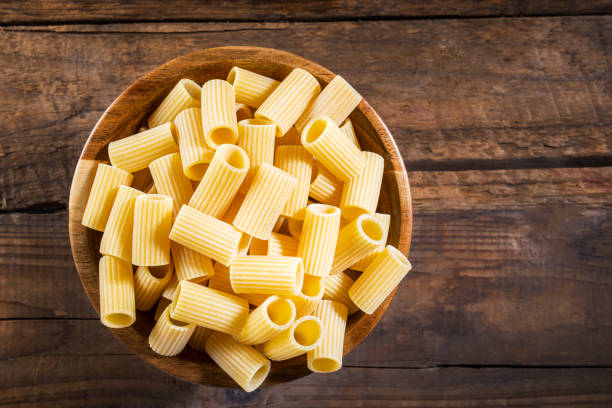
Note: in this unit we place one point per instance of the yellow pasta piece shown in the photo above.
(336, 289)
(169, 337)
(184, 95)
(190, 265)
(379, 279)
(269, 319)
(318, 239)
(310, 295)
(162, 304)
(278, 244)
(289, 100)
(243, 112)
(206, 307)
(117, 304)
(295, 227)
(326, 357)
(385, 221)
(349, 131)
(171, 287)
(303, 336)
(337, 100)
(355, 240)
(199, 337)
(219, 113)
(279, 226)
(221, 181)
(117, 237)
(256, 137)
(233, 208)
(195, 153)
(169, 179)
(295, 160)
(149, 283)
(291, 138)
(205, 234)
(221, 281)
(245, 365)
(325, 187)
(251, 88)
(102, 195)
(273, 275)
(152, 222)
(360, 194)
(135, 152)
(264, 202)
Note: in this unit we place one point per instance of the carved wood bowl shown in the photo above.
(131, 109)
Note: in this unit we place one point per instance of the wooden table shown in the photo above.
(503, 113)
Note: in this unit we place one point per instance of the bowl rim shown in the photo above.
(102, 133)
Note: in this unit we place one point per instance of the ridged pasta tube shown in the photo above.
(325, 187)
(349, 131)
(251, 88)
(171, 287)
(360, 194)
(219, 113)
(303, 336)
(310, 295)
(149, 283)
(332, 149)
(337, 100)
(169, 337)
(221, 281)
(206, 307)
(295, 160)
(245, 365)
(206, 234)
(117, 304)
(336, 289)
(355, 240)
(318, 239)
(169, 179)
(274, 275)
(269, 319)
(199, 337)
(185, 94)
(102, 195)
(190, 265)
(152, 222)
(269, 192)
(242, 111)
(278, 244)
(195, 153)
(326, 357)
(385, 221)
(379, 279)
(221, 181)
(289, 100)
(162, 304)
(117, 237)
(256, 137)
(135, 152)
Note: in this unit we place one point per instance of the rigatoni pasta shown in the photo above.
(325, 187)
(273, 275)
(355, 240)
(243, 112)
(318, 239)
(336, 289)
(269, 319)
(169, 179)
(385, 222)
(199, 337)
(185, 94)
(360, 194)
(251, 88)
(169, 337)
(221, 281)
(303, 336)
(149, 284)
(278, 244)
(219, 113)
(152, 222)
(117, 304)
(162, 304)
(195, 153)
(295, 160)
(349, 131)
(256, 137)
(190, 265)
(117, 237)
(308, 298)
(326, 357)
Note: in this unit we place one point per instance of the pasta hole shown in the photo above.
(325, 365)
(234, 156)
(397, 254)
(158, 272)
(351, 212)
(323, 209)
(119, 319)
(222, 135)
(312, 286)
(316, 129)
(231, 77)
(176, 322)
(307, 333)
(259, 376)
(372, 229)
(194, 90)
(196, 171)
(280, 311)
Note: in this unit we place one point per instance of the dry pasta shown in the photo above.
(349, 131)
(190, 265)
(169, 179)
(117, 237)
(152, 222)
(169, 337)
(149, 283)
(355, 240)
(360, 194)
(295, 160)
(219, 113)
(185, 94)
(170, 289)
(336, 289)
(256, 137)
(326, 357)
(221, 281)
(251, 88)
(269, 319)
(162, 304)
(291, 138)
(273, 275)
(278, 244)
(117, 304)
(195, 153)
(318, 239)
(303, 336)
(199, 337)
(325, 187)
(312, 292)
(385, 222)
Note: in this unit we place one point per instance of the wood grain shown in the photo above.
(509, 93)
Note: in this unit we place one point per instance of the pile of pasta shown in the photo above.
(261, 200)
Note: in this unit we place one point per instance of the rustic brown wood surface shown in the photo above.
(504, 123)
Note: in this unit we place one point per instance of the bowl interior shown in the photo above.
(131, 109)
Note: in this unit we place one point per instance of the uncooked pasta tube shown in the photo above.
(102, 195)
(349, 131)
(325, 187)
(190, 265)
(379, 279)
(336, 289)
(251, 88)
(221, 281)
(199, 338)
(221, 181)
(117, 304)
(264, 202)
(149, 283)
(195, 153)
(274, 275)
(337, 100)
(310, 295)
(206, 307)
(169, 337)
(355, 240)
(247, 366)
(326, 357)
(360, 194)
(289, 100)
(135, 152)
(269, 319)
(303, 336)
(171, 287)
(295, 160)
(278, 244)
(318, 240)
(162, 304)
(385, 221)
(205, 234)
(152, 222)
(256, 137)
(117, 237)
(243, 112)
(169, 179)
(219, 113)
(185, 94)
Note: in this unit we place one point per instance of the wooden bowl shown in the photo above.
(125, 116)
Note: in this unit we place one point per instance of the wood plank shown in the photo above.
(524, 90)
(105, 381)
(23, 11)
